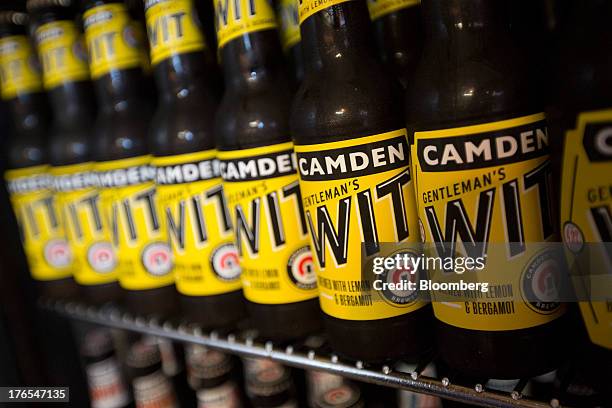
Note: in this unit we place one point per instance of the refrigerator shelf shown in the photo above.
(296, 355)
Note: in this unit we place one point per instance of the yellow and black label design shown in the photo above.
(190, 196)
(289, 23)
(173, 28)
(491, 183)
(353, 192)
(78, 202)
(263, 195)
(138, 230)
(112, 41)
(40, 224)
(586, 205)
(307, 8)
(234, 18)
(19, 69)
(379, 8)
(62, 52)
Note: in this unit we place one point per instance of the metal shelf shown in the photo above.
(294, 356)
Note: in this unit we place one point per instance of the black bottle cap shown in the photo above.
(143, 355)
(97, 343)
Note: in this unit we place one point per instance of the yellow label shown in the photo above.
(40, 223)
(112, 41)
(353, 192)
(307, 8)
(88, 236)
(138, 230)
(263, 195)
(379, 8)
(190, 196)
(173, 28)
(19, 71)
(62, 53)
(289, 23)
(485, 184)
(234, 18)
(586, 204)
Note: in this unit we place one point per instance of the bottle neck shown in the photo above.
(463, 25)
(72, 103)
(338, 36)
(252, 61)
(28, 111)
(120, 89)
(182, 77)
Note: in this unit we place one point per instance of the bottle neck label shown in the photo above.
(263, 196)
(128, 199)
(586, 216)
(235, 18)
(289, 23)
(355, 191)
(154, 391)
(484, 191)
(307, 8)
(173, 28)
(78, 201)
(191, 197)
(40, 223)
(380, 8)
(62, 52)
(19, 68)
(112, 40)
(106, 386)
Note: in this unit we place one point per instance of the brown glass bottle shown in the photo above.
(399, 37)
(28, 144)
(121, 132)
(253, 116)
(72, 101)
(345, 96)
(149, 383)
(582, 88)
(290, 38)
(471, 73)
(107, 385)
(181, 128)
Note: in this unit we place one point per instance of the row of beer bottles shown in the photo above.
(470, 82)
(125, 369)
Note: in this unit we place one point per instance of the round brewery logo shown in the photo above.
(405, 273)
(541, 282)
(157, 259)
(301, 269)
(224, 262)
(101, 257)
(573, 237)
(57, 253)
(340, 395)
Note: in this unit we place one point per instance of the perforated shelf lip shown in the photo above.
(294, 356)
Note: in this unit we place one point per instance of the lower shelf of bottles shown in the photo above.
(297, 355)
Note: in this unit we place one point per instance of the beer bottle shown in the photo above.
(189, 189)
(28, 179)
(107, 387)
(399, 35)
(258, 169)
(583, 128)
(268, 384)
(345, 109)
(212, 375)
(481, 156)
(290, 38)
(61, 50)
(151, 387)
(123, 164)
